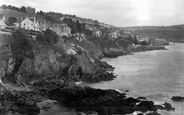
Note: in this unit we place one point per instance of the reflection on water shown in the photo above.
(158, 75)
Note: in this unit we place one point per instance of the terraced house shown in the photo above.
(65, 30)
(28, 23)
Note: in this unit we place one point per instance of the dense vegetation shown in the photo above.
(21, 9)
(48, 37)
(21, 48)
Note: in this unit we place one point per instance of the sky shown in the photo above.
(120, 13)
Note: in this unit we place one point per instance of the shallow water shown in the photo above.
(157, 75)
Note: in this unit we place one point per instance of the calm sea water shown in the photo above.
(157, 75)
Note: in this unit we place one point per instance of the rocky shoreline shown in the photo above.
(147, 48)
(50, 72)
(80, 99)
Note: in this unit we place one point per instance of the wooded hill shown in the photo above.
(173, 33)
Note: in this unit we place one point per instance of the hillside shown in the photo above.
(171, 33)
(35, 69)
(14, 13)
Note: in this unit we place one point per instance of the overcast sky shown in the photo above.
(116, 12)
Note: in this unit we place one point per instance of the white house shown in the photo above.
(97, 33)
(27, 24)
(2, 22)
(30, 23)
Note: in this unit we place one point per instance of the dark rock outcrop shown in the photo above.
(18, 102)
(178, 98)
(104, 102)
(153, 113)
(147, 48)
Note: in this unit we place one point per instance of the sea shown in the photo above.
(157, 75)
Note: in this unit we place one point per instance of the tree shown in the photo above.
(20, 43)
(20, 48)
(9, 7)
(40, 38)
(41, 13)
(23, 9)
(3, 6)
(51, 37)
(71, 24)
(11, 21)
(135, 41)
(78, 26)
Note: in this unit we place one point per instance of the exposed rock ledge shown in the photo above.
(80, 99)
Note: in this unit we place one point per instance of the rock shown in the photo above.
(168, 107)
(145, 106)
(101, 101)
(153, 113)
(142, 98)
(131, 101)
(178, 98)
(140, 114)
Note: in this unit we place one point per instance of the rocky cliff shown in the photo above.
(77, 59)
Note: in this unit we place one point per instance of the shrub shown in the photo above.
(51, 37)
(20, 42)
(40, 38)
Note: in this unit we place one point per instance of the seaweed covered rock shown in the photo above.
(178, 98)
(102, 101)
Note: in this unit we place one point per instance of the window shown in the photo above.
(24, 24)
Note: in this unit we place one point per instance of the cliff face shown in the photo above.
(79, 60)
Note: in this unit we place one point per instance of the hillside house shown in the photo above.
(42, 24)
(97, 33)
(2, 22)
(56, 28)
(65, 30)
(73, 18)
(27, 24)
(90, 27)
(144, 39)
(18, 23)
(80, 36)
(36, 25)
(115, 34)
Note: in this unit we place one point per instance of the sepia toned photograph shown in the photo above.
(91, 57)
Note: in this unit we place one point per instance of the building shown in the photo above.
(56, 28)
(90, 27)
(27, 24)
(65, 30)
(36, 25)
(42, 24)
(97, 33)
(115, 34)
(2, 22)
